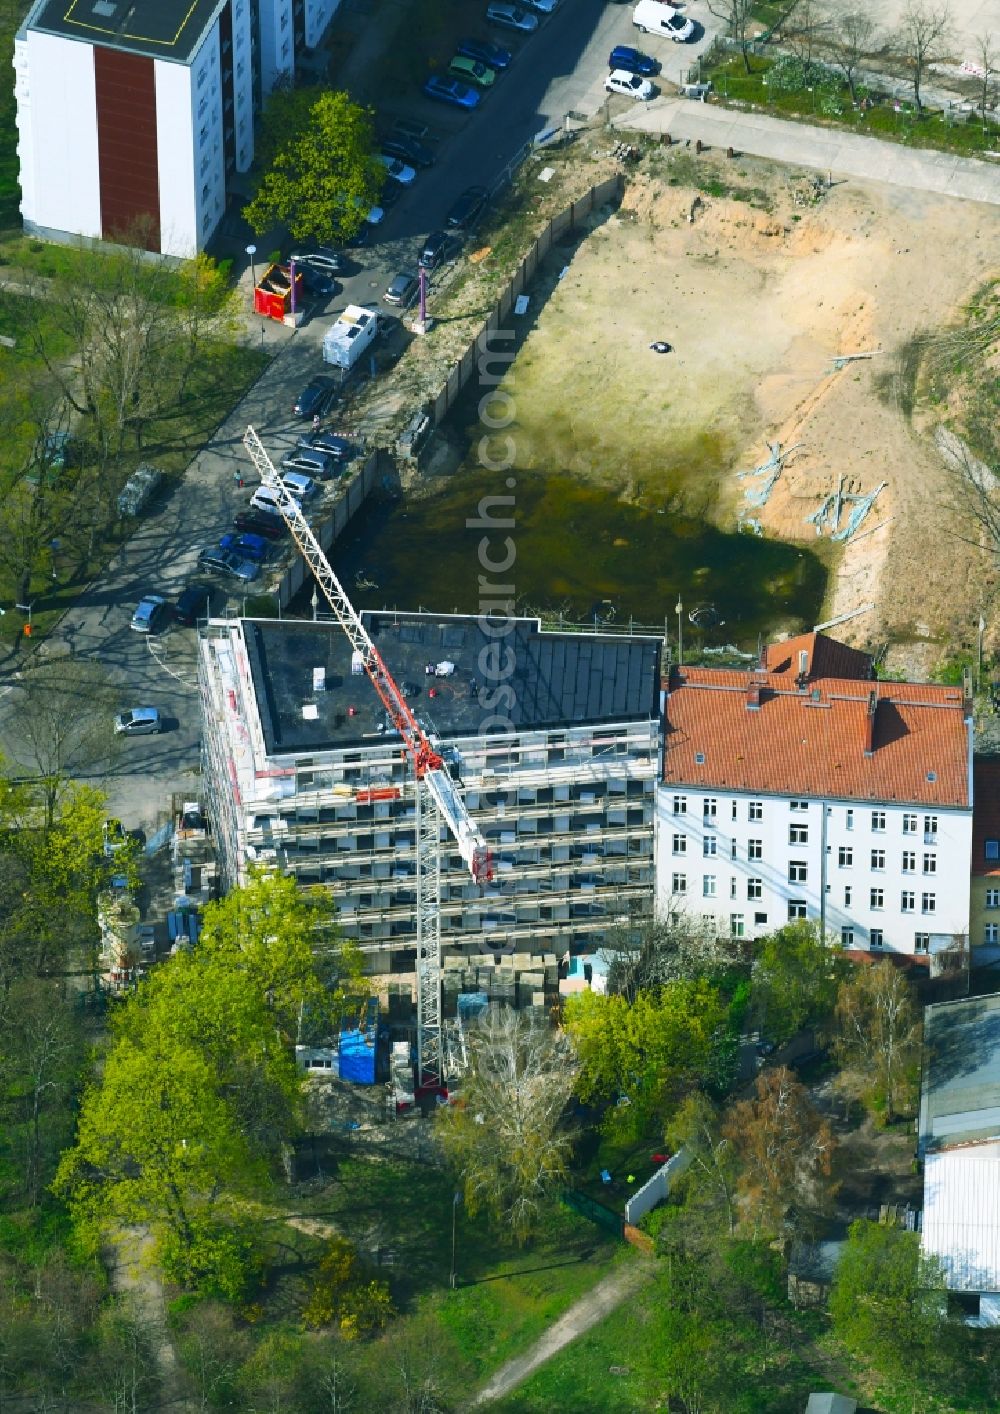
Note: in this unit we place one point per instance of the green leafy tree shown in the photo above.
(878, 1040)
(321, 176)
(795, 980)
(696, 1128)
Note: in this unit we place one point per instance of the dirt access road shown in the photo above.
(758, 287)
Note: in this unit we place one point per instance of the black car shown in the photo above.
(339, 448)
(318, 284)
(484, 51)
(468, 208)
(437, 248)
(407, 149)
(193, 603)
(316, 398)
(260, 523)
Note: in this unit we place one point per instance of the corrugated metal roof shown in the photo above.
(961, 1225)
(960, 1095)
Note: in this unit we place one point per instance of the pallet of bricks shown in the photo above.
(518, 980)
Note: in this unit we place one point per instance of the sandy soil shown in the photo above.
(757, 302)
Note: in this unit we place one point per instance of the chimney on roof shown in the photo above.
(802, 677)
(753, 697)
(870, 723)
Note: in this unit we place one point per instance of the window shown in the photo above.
(798, 805)
(878, 819)
(680, 804)
(991, 849)
(708, 846)
(796, 909)
(909, 861)
(847, 937)
(875, 938)
(877, 899)
(755, 888)
(680, 844)
(845, 856)
(732, 887)
(678, 884)
(798, 871)
(755, 810)
(909, 824)
(878, 858)
(907, 901)
(921, 942)
(991, 934)
(848, 819)
(710, 808)
(847, 896)
(760, 920)
(708, 885)
(734, 809)
(755, 849)
(732, 849)
(928, 903)
(930, 829)
(930, 863)
(798, 834)
(737, 928)
(993, 898)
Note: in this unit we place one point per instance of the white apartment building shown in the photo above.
(554, 738)
(805, 789)
(139, 112)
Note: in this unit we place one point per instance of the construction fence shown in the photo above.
(566, 220)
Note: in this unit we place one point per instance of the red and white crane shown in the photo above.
(436, 793)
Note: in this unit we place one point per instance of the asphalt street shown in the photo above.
(558, 70)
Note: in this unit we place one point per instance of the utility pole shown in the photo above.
(680, 632)
(456, 1199)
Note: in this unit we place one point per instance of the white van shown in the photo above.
(657, 17)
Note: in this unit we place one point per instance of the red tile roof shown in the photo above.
(811, 741)
(985, 815)
(825, 658)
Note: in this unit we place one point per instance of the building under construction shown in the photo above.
(553, 738)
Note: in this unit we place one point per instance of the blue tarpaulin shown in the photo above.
(358, 1047)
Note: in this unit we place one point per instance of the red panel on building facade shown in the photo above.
(126, 146)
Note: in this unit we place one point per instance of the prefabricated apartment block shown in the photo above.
(553, 736)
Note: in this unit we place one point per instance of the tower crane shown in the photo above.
(437, 797)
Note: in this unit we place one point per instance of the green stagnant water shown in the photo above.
(579, 549)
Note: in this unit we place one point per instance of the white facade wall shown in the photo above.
(871, 874)
(57, 134)
(277, 45)
(319, 13)
(175, 159)
(243, 84)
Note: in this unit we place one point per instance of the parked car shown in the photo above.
(472, 71)
(467, 210)
(320, 257)
(310, 462)
(633, 61)
(437, 248)
(303, 488)
(397, 170)
(511, 17)
(446, 90)
(316, 398)
(340, 449)
(151, 614)
(544, 7)
(485, 51)
(403, 289)
(193, 603)
(228, 563)
(319, 285)
(408, 149)
(272, 527)
(629, 85)
(264, 499)
(247, 545)
(139, 721)
(653, 17)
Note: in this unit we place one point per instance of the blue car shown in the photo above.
(633, 61)
(484, 51)
(250, 547)
(447, 90)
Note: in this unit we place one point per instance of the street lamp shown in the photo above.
(456, 1199)
(252, 251)
(679, 610)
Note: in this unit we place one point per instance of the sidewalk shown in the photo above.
(827, 149)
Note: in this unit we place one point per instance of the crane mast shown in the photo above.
(437, 797)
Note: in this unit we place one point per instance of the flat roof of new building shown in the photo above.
(516, 679)
(960, 1097)
(162, 29)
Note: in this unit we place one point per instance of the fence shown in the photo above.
(347, 504)
(566, 220)
(596, 1212)
(655, 1189)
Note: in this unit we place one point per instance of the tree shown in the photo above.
(322, 176)
(695, 1128)
(678, 949)
(795, 979)
(988, 62)
(738, 18)
(878, 1040)
(507, 1136)
(857, 36)
(785, 1150)
(805, 31)
(922, 37)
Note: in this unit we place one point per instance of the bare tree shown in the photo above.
(923, 36)
(988, 63)
(738, 18)
(878, 1040)
(671, 950)
(806, 29)
(856, 37)
(507, 1136)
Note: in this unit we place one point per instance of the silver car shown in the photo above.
(139, 721)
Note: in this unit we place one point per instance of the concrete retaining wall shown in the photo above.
(655, 1189)
(350, 500)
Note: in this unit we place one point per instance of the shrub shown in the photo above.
(341, 1294)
